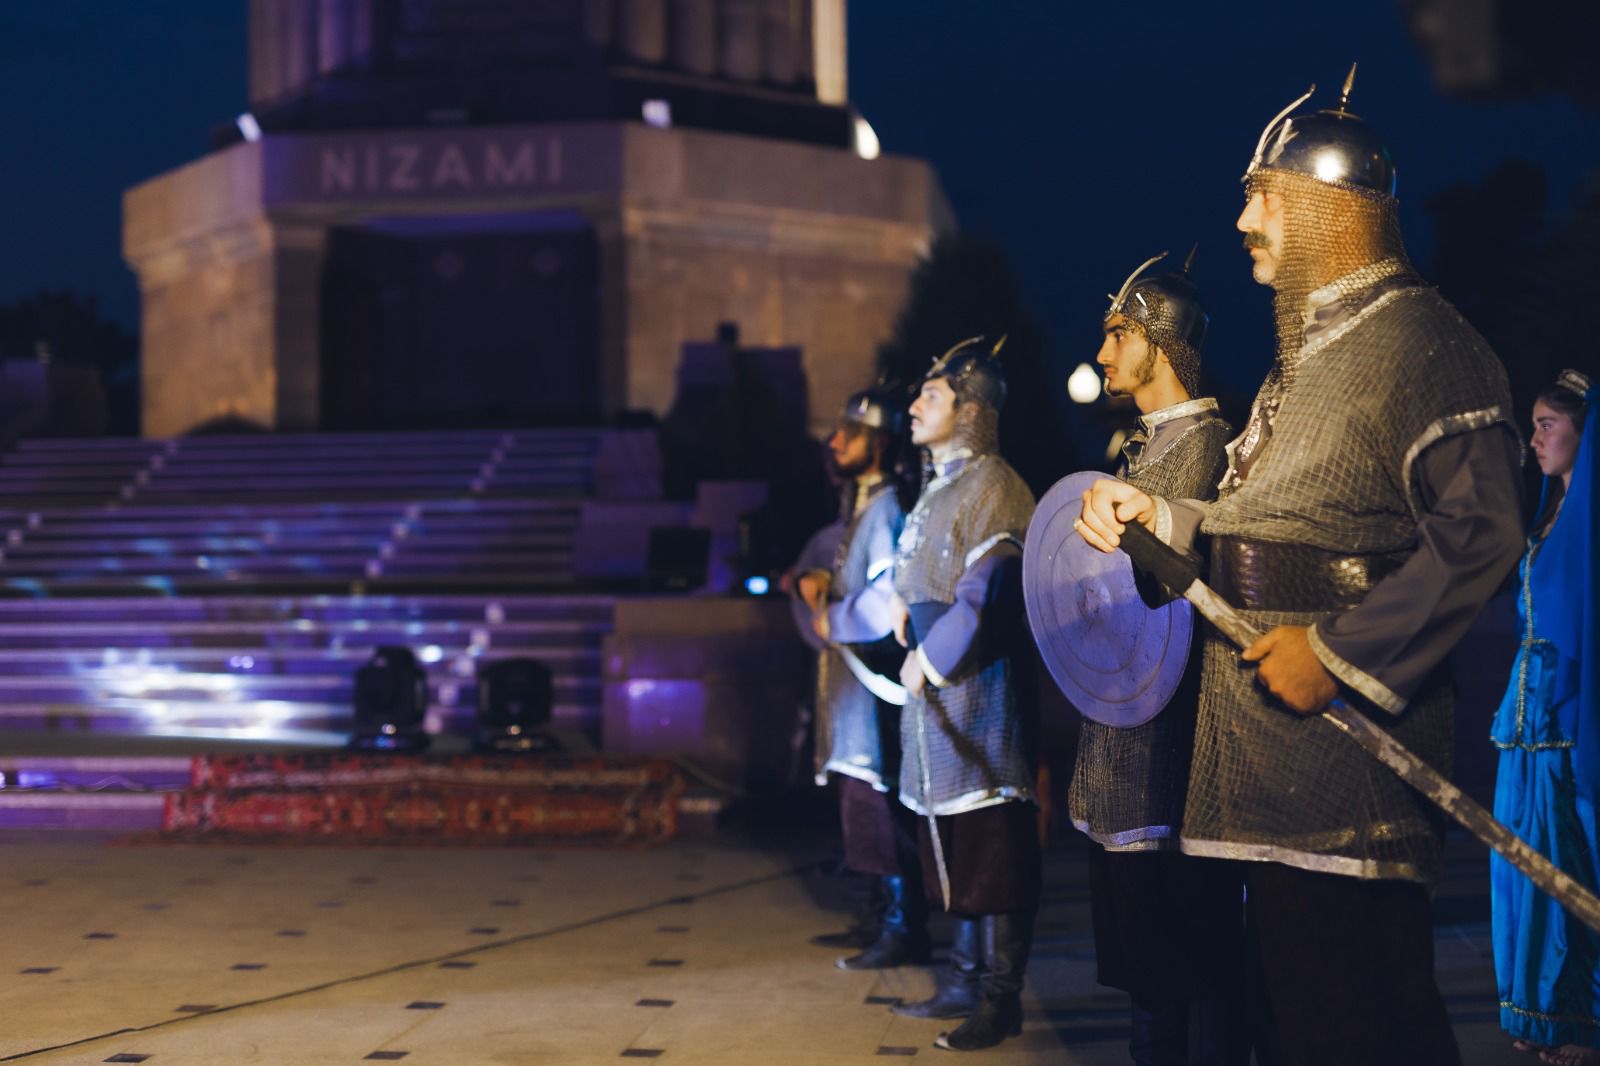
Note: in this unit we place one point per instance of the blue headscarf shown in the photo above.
(1565, 590)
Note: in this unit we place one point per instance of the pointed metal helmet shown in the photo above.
(1335, 147)
(874, 408)
(973, 369)
(1166, 306)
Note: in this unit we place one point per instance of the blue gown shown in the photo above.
(1545, 962)
(1547, 728)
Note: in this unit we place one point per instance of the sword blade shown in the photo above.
(1159, 559)
(870, 679)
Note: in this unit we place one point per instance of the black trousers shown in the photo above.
(880, 832)
(1168, 928)
(1346, 971)
(992, 856)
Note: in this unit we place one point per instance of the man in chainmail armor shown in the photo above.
(967, 741)
(858, 733)
(1369, 511)
(1168, 929)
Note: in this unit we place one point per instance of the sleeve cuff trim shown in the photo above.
(935, 678)
(1359, 680)
(983, 549)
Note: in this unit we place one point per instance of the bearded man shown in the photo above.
(1168, 929)
(1369, 511)
(967, 741)
(858, 733)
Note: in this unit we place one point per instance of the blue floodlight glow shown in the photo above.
(757, 586)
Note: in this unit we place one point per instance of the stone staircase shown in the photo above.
(215, 593)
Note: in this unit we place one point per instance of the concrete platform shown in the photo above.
(189, 956)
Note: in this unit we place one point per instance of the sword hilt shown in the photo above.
(1160, 561)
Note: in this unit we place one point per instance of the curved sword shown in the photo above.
(1177, 572)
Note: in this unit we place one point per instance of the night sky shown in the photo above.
(1082, 137)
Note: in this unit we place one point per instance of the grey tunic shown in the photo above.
(957, 567)
(1387, 439)
(1128, 785)
(848, 739)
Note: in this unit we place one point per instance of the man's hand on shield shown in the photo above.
(911, 675)
(1108, 506)
(1291, 671)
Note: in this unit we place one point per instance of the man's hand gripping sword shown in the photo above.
(1182, 575)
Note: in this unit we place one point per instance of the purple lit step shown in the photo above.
(113, 529)
(154, 685)
(372, 609)
(72, 810)
(366, 546)
(303, 722)
(398, 505)
(488, 438)
(245, 486)
(210, 583)
(126, 773)
(297, 632)
(554, 561)
(246, 662)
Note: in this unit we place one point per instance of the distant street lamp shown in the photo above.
(1084, 384)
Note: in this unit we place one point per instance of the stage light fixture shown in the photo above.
(515, 700)
(391, 698)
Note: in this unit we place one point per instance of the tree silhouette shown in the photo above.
(966, 288)
(1527, 283)
(66, 327)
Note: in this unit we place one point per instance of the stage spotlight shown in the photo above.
(390, 700)
(515, 697)
(249, 128)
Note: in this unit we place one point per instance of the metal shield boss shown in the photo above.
(1117, 660)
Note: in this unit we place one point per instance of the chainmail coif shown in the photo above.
(1332, 234)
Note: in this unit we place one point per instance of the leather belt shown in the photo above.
(1259, 575)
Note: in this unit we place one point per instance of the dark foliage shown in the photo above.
(66, 327)
(966, 288)
(1526, 282)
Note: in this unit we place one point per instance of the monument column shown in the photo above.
(297, 251)
(694, 36)
(642, 29)
(741, 26)
(828, 50)
(598, 16)
(783, 35)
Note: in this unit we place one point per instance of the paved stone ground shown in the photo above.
(691, 953)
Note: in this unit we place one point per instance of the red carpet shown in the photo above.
(411, 799)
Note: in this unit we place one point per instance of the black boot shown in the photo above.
(1218, 1035)
(866, 925)
(904, 940)
(1160, 1035)
(1007, 939)
(958, 988)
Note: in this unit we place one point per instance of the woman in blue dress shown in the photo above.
(1548, 733)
